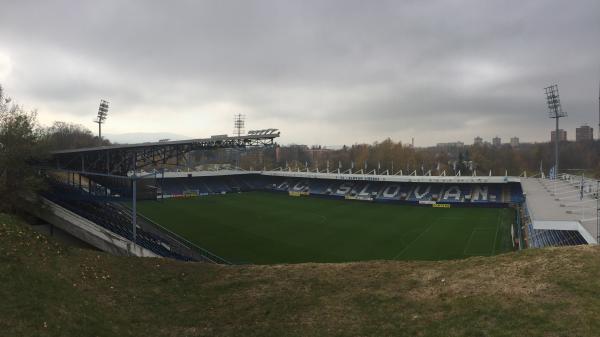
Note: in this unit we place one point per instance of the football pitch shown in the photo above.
(266, 228)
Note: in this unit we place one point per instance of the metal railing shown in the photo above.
(204, 253)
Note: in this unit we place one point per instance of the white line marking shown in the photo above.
(413, 241)
(496, 236)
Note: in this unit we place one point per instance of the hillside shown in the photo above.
(50, 290)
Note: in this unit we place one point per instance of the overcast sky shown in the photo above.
(328, 72)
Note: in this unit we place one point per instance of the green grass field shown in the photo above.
(266, 228)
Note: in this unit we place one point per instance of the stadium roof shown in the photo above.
(215, 139)
(123, 158)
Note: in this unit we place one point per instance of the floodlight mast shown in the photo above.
(554, 111)
(239, 122)
(102, 115)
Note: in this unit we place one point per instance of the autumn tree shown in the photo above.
(19, 147)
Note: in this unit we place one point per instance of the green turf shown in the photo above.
(264, 228)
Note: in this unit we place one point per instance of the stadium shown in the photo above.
(126, 202)
(299, 168)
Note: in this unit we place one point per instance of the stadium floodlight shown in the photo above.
(102, 115)
(265, 132)
(555, 111)
(239, 122)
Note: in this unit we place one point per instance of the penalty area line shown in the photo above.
(413, 241)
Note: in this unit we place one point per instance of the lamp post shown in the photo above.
(134, 177)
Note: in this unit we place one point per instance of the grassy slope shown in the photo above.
(273, 228)
(48, 290)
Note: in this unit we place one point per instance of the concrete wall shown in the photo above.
(89, 232)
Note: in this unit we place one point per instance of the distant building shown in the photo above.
(562, 135)
(450, 146)
(584, 133)
(496, 141)
(293, 152)
(514, 141)
(478, 141)
(318, 153)
(253, 156)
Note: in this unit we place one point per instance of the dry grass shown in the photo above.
(51, 290)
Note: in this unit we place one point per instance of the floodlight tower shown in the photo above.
(102, 115)
(554, 111)
(239, 122)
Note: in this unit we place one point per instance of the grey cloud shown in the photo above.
(385, 67)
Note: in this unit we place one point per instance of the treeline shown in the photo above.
(24, 142)
(394, 156)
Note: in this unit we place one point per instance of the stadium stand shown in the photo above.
(491, 194)
(118, 219)
(407, 192)
(538, 238)
(550, 237)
